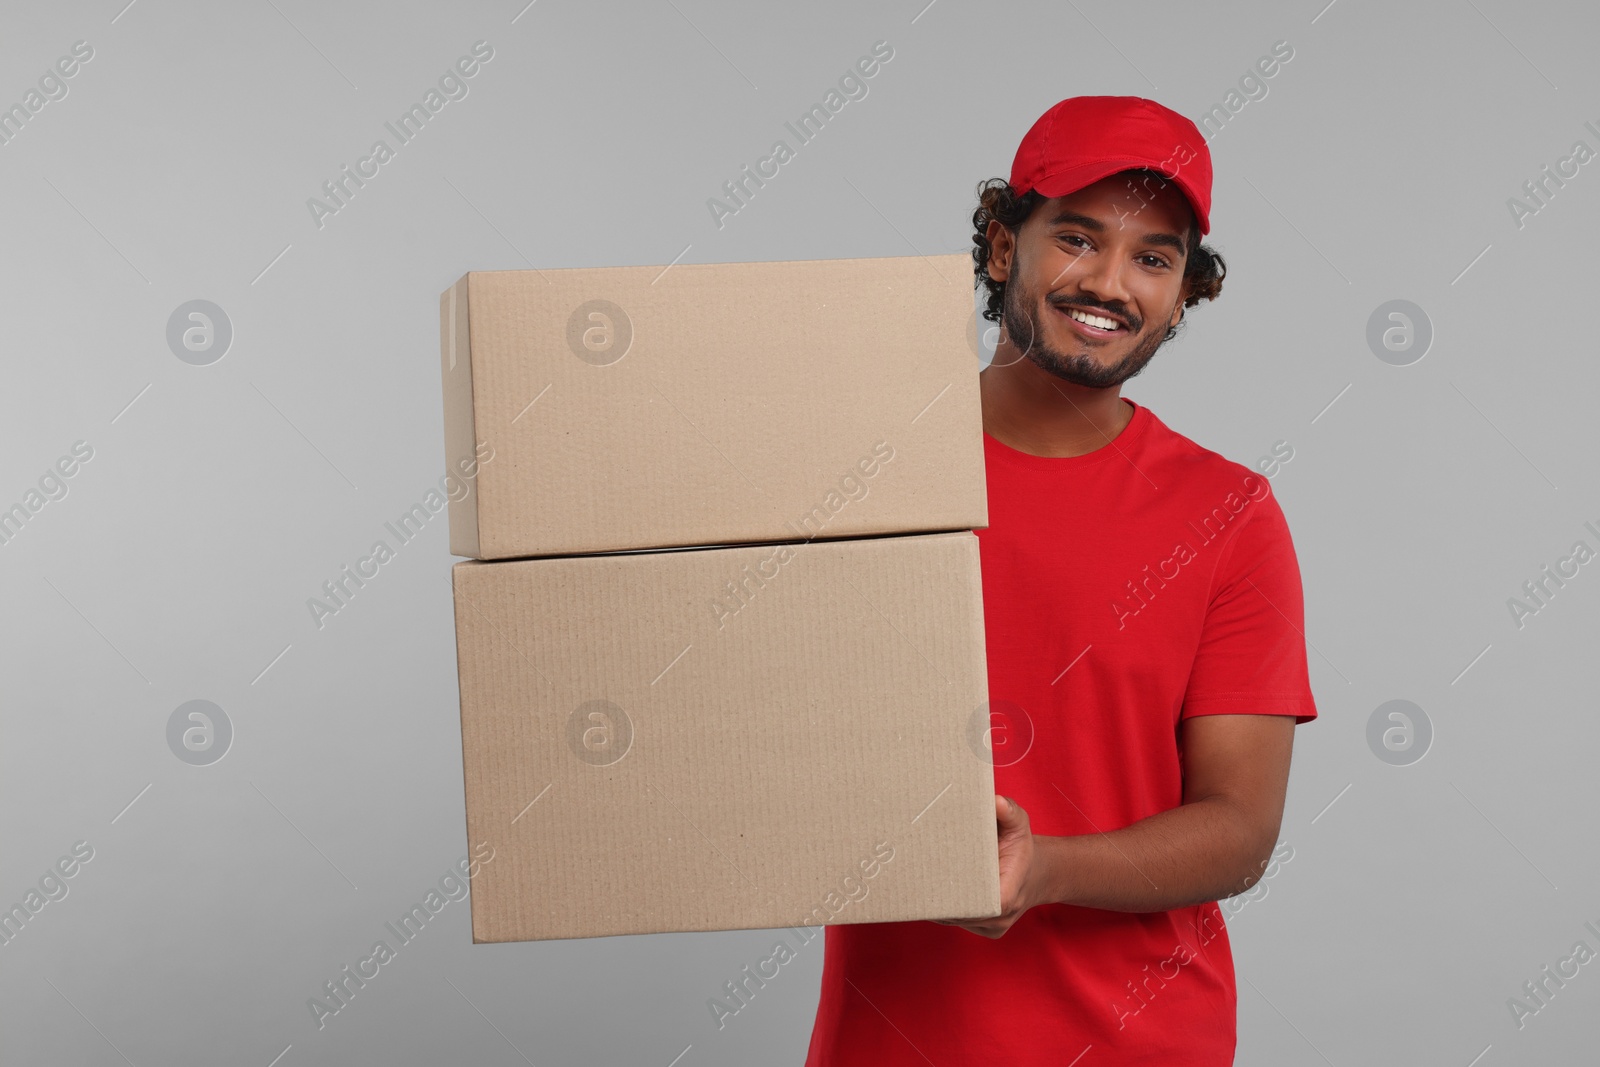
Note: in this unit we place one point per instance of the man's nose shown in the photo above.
(1102, 278)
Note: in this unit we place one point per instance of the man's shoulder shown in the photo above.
(1222, 496)
(1205, 466)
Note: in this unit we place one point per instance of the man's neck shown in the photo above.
(1033, 411)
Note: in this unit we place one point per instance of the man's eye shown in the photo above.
(1073, 237)
(1155, 261)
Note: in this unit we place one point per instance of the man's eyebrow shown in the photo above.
(1164, 240)
(1072, 218)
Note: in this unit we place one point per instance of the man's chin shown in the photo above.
(1061, 353)
(1084, 369)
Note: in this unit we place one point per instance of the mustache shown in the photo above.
(1116, 310)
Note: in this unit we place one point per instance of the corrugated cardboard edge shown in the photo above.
(961, 260)
(980, 628)
(460, 432)
(461, 608)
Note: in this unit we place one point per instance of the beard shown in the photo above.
(1023, 328)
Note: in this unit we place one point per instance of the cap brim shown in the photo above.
(1071, 179)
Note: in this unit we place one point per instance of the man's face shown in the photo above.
(1113, 250)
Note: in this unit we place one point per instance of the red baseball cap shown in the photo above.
(1086, 138)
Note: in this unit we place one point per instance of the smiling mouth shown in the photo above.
(1090, 324)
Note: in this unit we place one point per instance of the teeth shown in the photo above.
(1094, 320)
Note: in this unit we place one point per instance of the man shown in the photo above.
(1147, 666)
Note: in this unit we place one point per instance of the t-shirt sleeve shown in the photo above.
(1252, 653)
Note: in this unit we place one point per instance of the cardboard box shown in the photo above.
(639, 407)
(745, 737)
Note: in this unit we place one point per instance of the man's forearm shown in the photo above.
(1204, 850)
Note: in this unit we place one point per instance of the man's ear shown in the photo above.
(1002, 246)
(1183, 296)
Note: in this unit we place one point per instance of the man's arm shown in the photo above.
(1213, 845)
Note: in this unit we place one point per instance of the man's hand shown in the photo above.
(1022, 872)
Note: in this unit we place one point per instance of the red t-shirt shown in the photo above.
(1124, 590)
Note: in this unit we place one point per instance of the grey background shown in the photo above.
(1419, 898)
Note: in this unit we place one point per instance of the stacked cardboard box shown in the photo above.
(720, 645)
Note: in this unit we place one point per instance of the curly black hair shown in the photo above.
(1203, 268)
